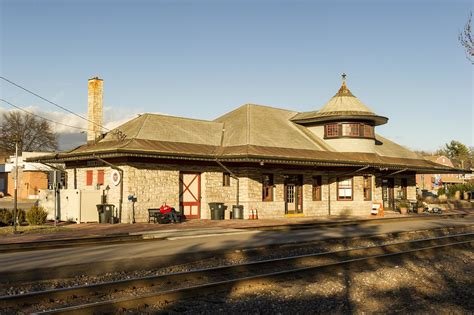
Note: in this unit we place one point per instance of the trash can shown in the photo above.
(237, 212)
(105, 212)
(217, 210)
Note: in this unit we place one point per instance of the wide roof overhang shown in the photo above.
(339, 116)
(260, 155)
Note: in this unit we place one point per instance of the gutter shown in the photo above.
(250, 159)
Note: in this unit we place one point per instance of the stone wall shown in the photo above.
(155, 184)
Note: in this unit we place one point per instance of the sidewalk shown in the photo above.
(75, 231)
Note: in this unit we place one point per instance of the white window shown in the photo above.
(344, 189)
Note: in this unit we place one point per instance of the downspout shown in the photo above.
(397, 172)
(121, 182)
(233, 176)
(226, 169)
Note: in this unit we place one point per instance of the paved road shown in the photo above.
(189, 242)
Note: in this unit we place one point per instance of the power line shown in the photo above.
(47, 119)
(46, 100)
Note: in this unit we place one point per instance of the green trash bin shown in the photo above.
(106, 213)
(217, 210)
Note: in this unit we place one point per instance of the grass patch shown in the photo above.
(32, 229)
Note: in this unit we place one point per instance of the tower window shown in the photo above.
(350, 130)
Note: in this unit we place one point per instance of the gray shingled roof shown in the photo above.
(249, 133)
(343, 105)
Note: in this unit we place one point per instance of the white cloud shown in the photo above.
(113, 117)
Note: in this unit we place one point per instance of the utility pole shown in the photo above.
(15, 194)
(55, 187)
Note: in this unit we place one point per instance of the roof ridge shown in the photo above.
(179, 117)
(141, 127)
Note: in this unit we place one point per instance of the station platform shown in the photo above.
(94, 230)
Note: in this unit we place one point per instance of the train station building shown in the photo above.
(279, 162)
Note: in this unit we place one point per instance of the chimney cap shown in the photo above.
(95, 78)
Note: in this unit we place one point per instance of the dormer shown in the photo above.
(344, 122)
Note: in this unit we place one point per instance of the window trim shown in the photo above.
(339, 179)
(340, 127)
(317, 187)
(367, 179)
(269, 196)
(225, 179)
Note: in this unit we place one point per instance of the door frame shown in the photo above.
(388, 193)
(183, 188)
(297, 181)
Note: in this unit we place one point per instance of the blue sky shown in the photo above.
(201, 59)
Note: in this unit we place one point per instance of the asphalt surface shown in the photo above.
(190, 242)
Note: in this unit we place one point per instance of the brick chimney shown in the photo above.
(94, 108)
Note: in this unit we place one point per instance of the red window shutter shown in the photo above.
(89, 178)
(100, 177)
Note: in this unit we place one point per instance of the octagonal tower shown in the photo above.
(344, 122)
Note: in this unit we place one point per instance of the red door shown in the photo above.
(190, 194)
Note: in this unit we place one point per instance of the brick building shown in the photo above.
(280, 162)
(32, 177)
(432, 182)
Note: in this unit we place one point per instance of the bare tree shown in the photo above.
(32, 133)
(466, 39)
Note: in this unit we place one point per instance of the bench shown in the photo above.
(153, 213)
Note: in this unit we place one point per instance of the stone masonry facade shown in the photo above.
(155, 184)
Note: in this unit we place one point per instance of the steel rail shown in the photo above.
(381, 251)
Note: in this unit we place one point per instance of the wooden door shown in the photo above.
(190, 194)
(388, 195)
(291, 198)
(293, 193)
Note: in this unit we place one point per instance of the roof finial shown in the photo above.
(344, 91)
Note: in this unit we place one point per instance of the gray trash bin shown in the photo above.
(237, 212)
(217, 210)
(106, 213)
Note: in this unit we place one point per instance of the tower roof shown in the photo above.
(342, 106)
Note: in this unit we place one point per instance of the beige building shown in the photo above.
(276, 161)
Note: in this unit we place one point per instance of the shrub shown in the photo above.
(36, 216)
(21, 214)
(441, 191)
(403, 204)
(6, 217)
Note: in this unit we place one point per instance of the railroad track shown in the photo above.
(121, 295)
